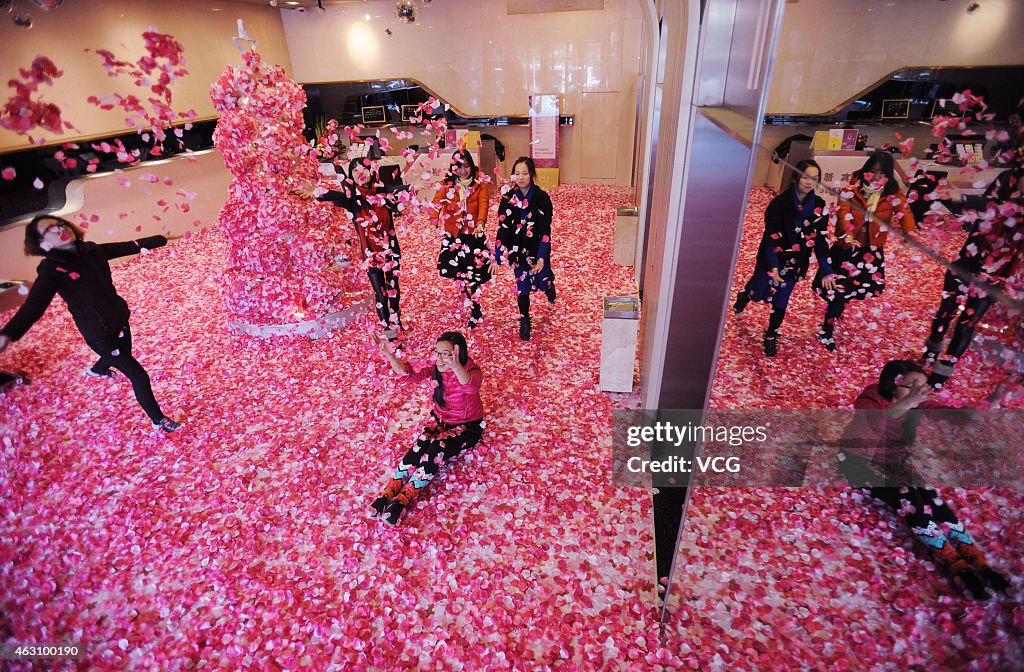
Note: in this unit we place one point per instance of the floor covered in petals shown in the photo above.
(241, 541)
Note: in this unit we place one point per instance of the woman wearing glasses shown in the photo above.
(79, 272)
(876, 455)
(456, 422)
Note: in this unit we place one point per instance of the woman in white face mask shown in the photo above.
(869, 207)
(79, 272)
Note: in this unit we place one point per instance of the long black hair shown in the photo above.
(34, 239)
(368, 164)
(457, 340)
(530, 166)
(893, 370)
(459, 158)
(883, 164)
(800, 168)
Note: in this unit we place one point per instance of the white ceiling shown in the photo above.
(282, 4)
(514, 6)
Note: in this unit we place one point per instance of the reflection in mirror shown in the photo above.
(892, 283)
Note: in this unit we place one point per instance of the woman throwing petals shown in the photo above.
(461, 202)
(79, 272)
(876, 455)
(868, 209)
(364, 199)
(456, 422)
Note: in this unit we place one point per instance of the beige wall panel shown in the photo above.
(485, 62)
(829, 51)
(599, 120)
(203, 28)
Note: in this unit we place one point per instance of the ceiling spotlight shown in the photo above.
(973, 7)
(406, 11)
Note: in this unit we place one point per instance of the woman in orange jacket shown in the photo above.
(461, 203)
(869, 207)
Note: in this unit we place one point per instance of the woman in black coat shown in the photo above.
(78, 271)
(524, 239)
(795, 223)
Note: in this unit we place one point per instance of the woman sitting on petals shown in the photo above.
(456, 422)
(876, 455)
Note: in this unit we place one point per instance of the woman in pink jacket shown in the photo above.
(456, 423)
(876, 454)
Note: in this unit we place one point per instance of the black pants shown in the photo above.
(437, 445)
(832, 314)
(386, 294)
(953, 289)
(523, 300)
(930, 519)
(115, 351)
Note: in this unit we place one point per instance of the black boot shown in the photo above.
(550, 293)
(378, 505)
(932, 349)
(974, 585)
(475, 315)
(523, 301)
(995, 580)
(771, 344)
(833, 312)
(742, 299)
(392, 515)
(827, 338)
(525, 326)
(940, 374)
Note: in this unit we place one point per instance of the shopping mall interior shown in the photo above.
(666, 133)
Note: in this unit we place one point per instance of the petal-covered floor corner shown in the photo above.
(825, 579)
(242, 539)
